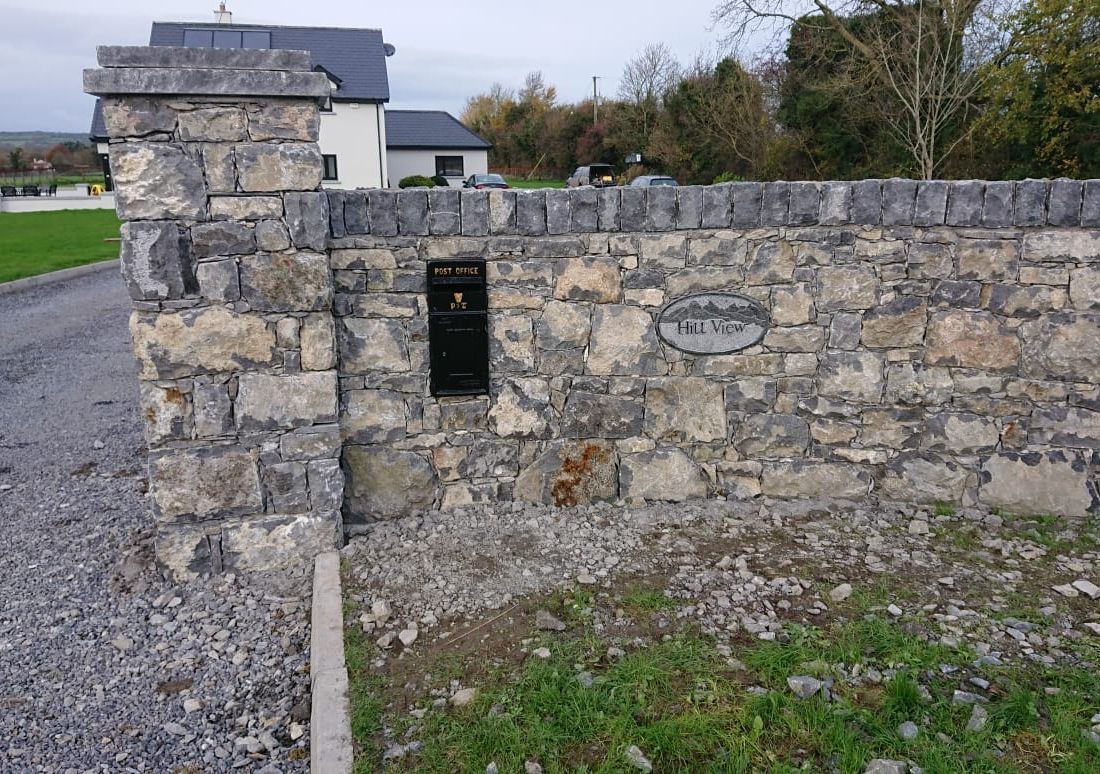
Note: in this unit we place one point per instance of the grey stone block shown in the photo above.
(964, 203)
(412, 212)
(775, 203)
(204, 58)
(155, 261)
(336, 214)
(218, 281)
(1064, 208)
(356, 213)
(206, 82)
(660, 209)
(1031, 203)
(444, 218)
(632, 209)
(608, 209)
(930, 208)
(383, 212)
(584, 206)
(836, 203)
(531, 212)
(287, 166)
(867, 202)
(689, 206)
(156, 181)
(475, 212)
(222, 238)
(717, 206)
(745, 201)
(898, 201)
(307, 218)
(805, 205)
(558, 211)
(1090, 207)
(502, 212)
(997, 209)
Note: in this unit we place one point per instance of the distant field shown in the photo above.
(519, 182)
(37, 242)
(40, 139)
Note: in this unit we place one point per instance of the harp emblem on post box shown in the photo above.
(458, 302)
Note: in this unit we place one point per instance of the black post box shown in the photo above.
(458, 327)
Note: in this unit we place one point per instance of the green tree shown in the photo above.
(1043, 112)
(16, 160)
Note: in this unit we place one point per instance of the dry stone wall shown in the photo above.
(925, 341)
(928, 341)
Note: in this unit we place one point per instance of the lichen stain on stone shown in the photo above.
(574, 474)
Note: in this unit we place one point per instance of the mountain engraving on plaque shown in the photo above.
(712, 323)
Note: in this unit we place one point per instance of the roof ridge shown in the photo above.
(268, 26)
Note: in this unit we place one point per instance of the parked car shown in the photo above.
(599, 175)
(652, 180)
(485, 181)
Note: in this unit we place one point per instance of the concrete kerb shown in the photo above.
(56, 276)
(330, 719)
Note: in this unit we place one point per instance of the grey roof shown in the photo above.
(416, 129)
(355, 56)
(99, 126)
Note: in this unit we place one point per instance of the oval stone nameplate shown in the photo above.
(712, 323)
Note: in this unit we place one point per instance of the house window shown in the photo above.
(330, 167)
(449, 166)
(226, 39)
(198, 38)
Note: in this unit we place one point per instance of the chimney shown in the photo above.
(222, 16)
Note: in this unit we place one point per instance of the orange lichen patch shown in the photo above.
(575, 473)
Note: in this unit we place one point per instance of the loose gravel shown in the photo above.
(107, 666)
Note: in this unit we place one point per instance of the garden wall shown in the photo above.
(919, 340)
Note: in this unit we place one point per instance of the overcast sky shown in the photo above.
(446, 51)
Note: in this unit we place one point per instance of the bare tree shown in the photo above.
(645, 81)
(924, 55)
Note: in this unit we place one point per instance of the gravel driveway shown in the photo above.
(106, 666)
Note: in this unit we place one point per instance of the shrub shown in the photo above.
(728, 177)
(441, 181)
(416, 181)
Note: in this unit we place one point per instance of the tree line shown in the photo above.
(853, 89)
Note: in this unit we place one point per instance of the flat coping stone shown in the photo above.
(189, 58)
(114, 81)
(330, 743)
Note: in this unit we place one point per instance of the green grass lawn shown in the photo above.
(37, 242)
(519, 182)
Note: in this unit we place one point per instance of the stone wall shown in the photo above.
(218, 172)
(929, 341)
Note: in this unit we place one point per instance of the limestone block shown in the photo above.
(845, 330)
(286, 283)
(213, 410)
(584, 209)
(268, 402)
(588, 415)
(930, 207)
(373, 345)
(1090, 207)
(805, 204)
(808, 478)
(960, 433)
(444, 216)
(1035, 483)
(660, 214)
(412, 212)
(326, 485)
(1064, 205)
(318, 342)
(892, 428)
(559, 212)
(137, 117)
(929, 261)
(284, 121)
(1011, 300)
(521, 409)
(774, 203)
(271, 542)
(667, 251)
(222, 238)
(847, 287)
(218, 281)
(867, 202)
(971, 340)
(529, 273)
(245, 207)
(1073, 246)
(718, 251)
(511, 343)
(792, 305)
(213, 124)
(997, 209)
(988, 260)
(384, 483)
(286, 487)
(1031, 202)
(155, 261)
(531, 212)
(307, 217)
(923, 478)
(221, 173)
(771, 263)
(662, 474)
(272, 236)
(195, 341)
(750, 393)
(632, 209)
(607, 209)
(851, 376)
(469, 414)
(196, 484)
(1062, 426)
(474, 212)
(689, 206)
(718, 206)
(156, 181)
(1062, 346)
(624, 341)
(964, 203)
(570, 473)
(685, 409)
(589, 279)
(167, 413)
(898, 323)
(898, 201)
(487, 457)
(914, 384)
(836, 203)
(1084, 288)
(311, 443)
(282, 167)
(703, 278)
(374, 416)
(772, 435)
(800, 338)
(957, 293)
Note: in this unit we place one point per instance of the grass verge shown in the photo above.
(519, 182)
(33, 243)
